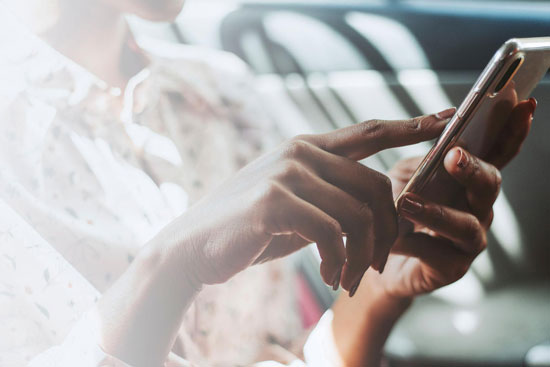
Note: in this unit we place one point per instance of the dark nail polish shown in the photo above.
(383, 266)
(445, 114)
(353, 289)
(411, 206)
(462, 159)
(336, 281)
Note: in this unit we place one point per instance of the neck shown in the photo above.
(96, 37)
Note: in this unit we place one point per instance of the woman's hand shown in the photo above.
(440, 247)
(437, 251)
(444, 241)
(310, 189)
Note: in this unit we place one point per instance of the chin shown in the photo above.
(158, 10)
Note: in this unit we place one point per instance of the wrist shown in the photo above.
(145, 306)
(171, 254)
(377, 291)
(362, 324)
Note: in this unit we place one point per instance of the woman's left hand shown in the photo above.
(446, 240)
(438, 251)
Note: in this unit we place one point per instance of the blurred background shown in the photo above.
(320, 65)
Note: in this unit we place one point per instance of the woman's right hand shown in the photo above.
(309, 189)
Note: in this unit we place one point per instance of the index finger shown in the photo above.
(364, 139)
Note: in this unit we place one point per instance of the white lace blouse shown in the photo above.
(87, 176)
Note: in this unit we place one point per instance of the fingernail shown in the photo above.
(353, 289)
(336, 280)
(381, 270)
(445, 114)
(533, 102)
(411, 206)
(462, 159)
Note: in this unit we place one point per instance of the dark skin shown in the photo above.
(309, 189)
(141, 314)
(437, 251)
(264, 212)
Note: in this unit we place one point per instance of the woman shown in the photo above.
(114, 186)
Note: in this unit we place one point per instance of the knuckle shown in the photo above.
(364, 213)
(372, 128)
(363, 172)
(333, 228)
(415, 125)
(425, 283)
(290, 172)
(439, 216)
(489, 179)
(474, 233)
(270, 217)
(271, 191)
(489, 219)
(483, 243)
(301, 137)
(457, 272)
(382, 183)
(296, 148)
(386, 185)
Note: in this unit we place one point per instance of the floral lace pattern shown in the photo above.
(87, 176)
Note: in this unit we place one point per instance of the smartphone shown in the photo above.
(509, 78)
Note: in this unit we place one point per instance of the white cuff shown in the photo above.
(320, 348)
(80, 348)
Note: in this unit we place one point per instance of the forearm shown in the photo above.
(362, 324)
(142, 313)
